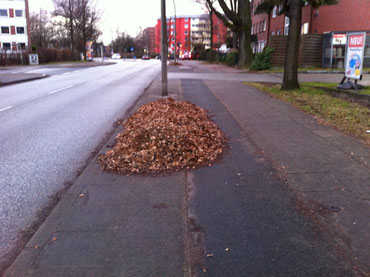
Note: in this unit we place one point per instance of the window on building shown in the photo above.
(278, 32)
(173, 38)
(3, 12)
(186, 19)
(20, 30)
(274, 12)
(186, 26)
(264, 25)
(261, 26)
(252, 29)
(21, 46)
(6, 45)
(280, 8)
(186, 32)
(18, 13)
(5, 30)
(172, 33)
(286, 26)
(304, 29)
(273, 33)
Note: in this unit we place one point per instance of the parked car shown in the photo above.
(145, 57)
(116, 56)
(186, 56)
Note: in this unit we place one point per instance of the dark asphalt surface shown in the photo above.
(50, 127)
(235, 218)
(251, 223)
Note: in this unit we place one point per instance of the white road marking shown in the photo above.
(59, 90)
(67, 73)
(6, 108)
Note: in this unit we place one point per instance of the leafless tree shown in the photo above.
(86, 22)
(67, 10)
(237, 16)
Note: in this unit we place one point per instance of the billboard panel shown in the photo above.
(355, 55)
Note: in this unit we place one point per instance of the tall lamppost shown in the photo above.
(174, 5)
(164, 48)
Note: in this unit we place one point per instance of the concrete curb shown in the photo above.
(360, 98)
(4, 84)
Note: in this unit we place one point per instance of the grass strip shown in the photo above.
(365, 90)
(350, 118)
(278, 69)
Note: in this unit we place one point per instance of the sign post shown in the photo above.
(354, 59)
(34, 59)
(89, 50)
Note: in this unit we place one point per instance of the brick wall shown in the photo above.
(347, 15)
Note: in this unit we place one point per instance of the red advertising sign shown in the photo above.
(355, 55)
(356, 40)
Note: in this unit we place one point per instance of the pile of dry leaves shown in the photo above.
(164, 135)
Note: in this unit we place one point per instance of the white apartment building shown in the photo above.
(14, 28)
(200, 26)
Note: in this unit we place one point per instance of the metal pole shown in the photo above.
(175, 30)
(164, 48)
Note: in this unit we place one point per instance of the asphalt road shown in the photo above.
(48, 129)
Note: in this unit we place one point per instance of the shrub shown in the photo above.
(47, 55)
(262, 61)
(232, 58)
(13, 58)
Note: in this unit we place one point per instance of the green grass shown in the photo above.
(365, 90)
(351, 118)
(309, 68)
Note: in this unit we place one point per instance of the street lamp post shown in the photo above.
(174, 5)
(164, 48)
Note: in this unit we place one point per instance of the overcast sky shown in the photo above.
(129, 15)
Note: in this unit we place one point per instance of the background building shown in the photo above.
(325, 31)
(149, 38)
(347, 15)
(14, 19)
(191, 30)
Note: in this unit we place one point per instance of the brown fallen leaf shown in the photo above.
(165, 135)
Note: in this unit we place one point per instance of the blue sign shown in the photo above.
(132, 49)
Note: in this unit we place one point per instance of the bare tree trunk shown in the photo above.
(241, 33)
(290, 80)
(235, 40)
(245, 50)
(71, 24)
(241, 50)
(247, 23)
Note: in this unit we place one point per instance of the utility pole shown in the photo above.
(164, 48)
(175, 30)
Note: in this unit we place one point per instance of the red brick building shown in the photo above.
(189, 30)
(149, 35)
(347, 15)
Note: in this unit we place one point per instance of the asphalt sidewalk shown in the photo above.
(289, 197)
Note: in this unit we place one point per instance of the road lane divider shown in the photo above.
(59, 90)
(5, 109)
